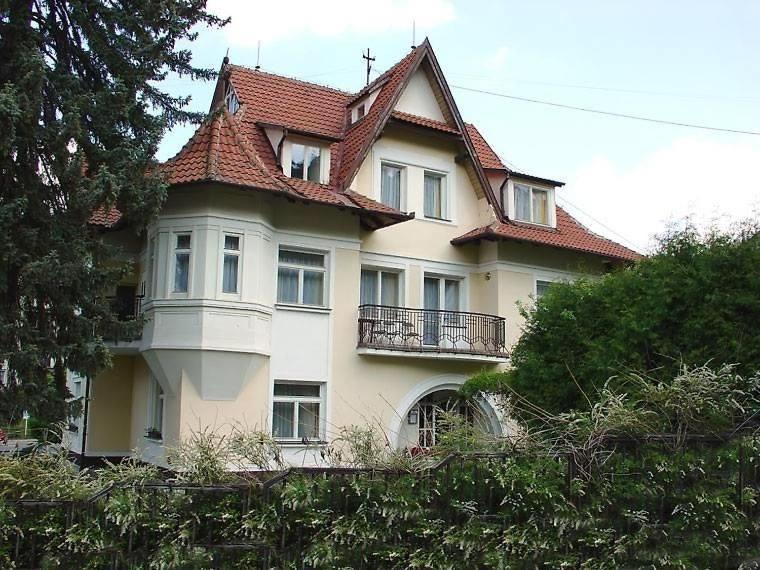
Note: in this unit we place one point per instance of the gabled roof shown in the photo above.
(236, 150)
(569, 234)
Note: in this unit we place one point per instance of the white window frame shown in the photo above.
(402, 181)
(231, 101)
(445, 198)
(325, 269)
(307, 145)
(156, 398)
(550, 215)
(295, 400)
(239, 254)
(380, 271)
(177, 251)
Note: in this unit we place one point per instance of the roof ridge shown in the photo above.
(212, 159)
(293, 79)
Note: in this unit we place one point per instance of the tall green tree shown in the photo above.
(81, 116)
(696, 300)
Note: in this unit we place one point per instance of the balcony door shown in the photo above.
(440, 294)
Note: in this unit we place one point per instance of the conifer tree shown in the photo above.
(81, 117)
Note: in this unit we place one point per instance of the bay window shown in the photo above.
(231, 263)
(301, 278)
(181, 263)
(297, 411)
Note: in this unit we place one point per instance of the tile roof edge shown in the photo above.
(292, 79)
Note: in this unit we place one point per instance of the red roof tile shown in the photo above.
(105, 217)
(486, 155)
(424, 122)
(569, 234)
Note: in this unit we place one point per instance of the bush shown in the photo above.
(696, 300)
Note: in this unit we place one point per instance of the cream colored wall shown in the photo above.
(418, 98)
(249, 410)
(422, 238)
(369, 388)
(109, 415)
(139, 412)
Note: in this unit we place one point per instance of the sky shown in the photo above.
(694, 62)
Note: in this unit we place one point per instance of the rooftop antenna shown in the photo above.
(414, 34)
(258, 56)
(369, 63)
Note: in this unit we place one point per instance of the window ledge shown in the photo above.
(443, 221)
(536, 224)
(302, 308)
(299, 443)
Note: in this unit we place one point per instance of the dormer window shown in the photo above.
(305, 162)
(360, 111)
(531, 204)
(230, 98)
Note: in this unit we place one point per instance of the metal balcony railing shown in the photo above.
(428, 330)
(127, 306)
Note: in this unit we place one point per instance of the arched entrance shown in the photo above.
(424, 412)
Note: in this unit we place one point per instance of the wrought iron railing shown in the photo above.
(127, 307)
(427, 330)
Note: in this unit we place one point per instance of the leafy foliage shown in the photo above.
(569, 497)
(696, 300)
(81, 118)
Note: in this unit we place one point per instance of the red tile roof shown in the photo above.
(569, 234)
(487, 157)
(105, 217)
(235, 150)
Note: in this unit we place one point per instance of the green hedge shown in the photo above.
(649, 505)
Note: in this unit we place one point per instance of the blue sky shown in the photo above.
(687, 61)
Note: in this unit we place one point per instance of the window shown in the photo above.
(380, 288)
(541, 288)
(156, 404)
(297, 411)
(435, 196)
(360, 111)
(440, 294)
(181, 263)
(305, 162)
(531, 204)
(230, 98)
(150, 270)
(390, 185)
(230, 264)
(301, 278)
(76, 392)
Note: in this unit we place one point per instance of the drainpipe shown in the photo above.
(85, 417)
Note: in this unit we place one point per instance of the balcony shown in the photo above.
(433, 333)
(126, 305)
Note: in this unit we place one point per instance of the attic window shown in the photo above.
(360, 111)
(531, 204)
(305, 162)
(230, 98)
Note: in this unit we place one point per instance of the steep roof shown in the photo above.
(234, 149)
(569, 234)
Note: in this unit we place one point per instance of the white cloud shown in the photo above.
(709, 180)
(496, 60)
(271, 21)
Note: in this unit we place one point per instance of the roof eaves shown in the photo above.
(533, 178)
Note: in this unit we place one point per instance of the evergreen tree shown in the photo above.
(81, 117)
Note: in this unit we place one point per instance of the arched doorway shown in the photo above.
(424, 414)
